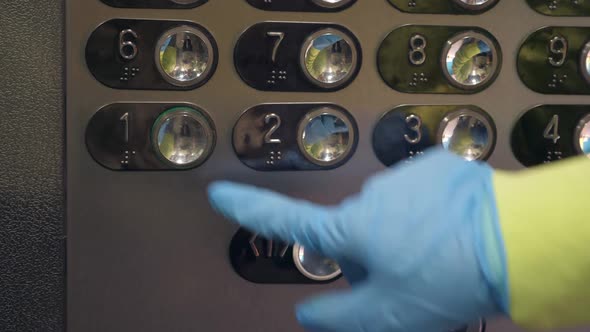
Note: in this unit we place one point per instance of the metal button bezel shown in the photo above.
(583, 68)
(471, 7)
(319, 112)
(447, 48)
(478, 116)
(296, 249)
(195, 114)
(326, 4)
(309, 42)
(578, 132)
(199, 34)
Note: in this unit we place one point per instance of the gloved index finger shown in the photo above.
(278, 217)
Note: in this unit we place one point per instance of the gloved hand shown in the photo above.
(418, 245)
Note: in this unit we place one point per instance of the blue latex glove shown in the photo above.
(410, 244)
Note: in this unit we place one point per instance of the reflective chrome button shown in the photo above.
(325, 136)
(469, 60)
(475, 4)
(183, 137)
(582, 136)
(314, 266)
(329, 58)
(585, 62)
(468, 134)
(332, 3)
(184, 56)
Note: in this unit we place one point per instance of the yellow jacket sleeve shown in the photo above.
(544, 215)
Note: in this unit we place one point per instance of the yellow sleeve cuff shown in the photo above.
(544, 215)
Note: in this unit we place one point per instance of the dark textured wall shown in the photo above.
(32, 213)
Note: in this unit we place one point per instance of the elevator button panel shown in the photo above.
(161, 4)
(302, 5)
(150, 136)
(439, 59)
(556, 60)
(444, 6)
(151, 54)
(302, 57)
(550, 133)
(289, 137)
(264, 261)
(408, 131)
(561, 7)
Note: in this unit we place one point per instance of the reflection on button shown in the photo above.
(329, 58)
(468, 134)
(325, 136)
(585, 62)
(469, 60)
(184, 56)
(582, 136)
(183, 137)
(314, 266)
(332, 3)
(475, 4)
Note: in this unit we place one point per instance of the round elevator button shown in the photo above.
(325, 136)
(475, 4)
(183, 137)
(331, 3)
(314, 266)
(329, 58)
(468, 134)
(582, 136)
(184, 56)
(469, 60)
(585, 62)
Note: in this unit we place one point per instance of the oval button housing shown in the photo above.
(151, 54)
(406, 132)
(554, 60)
(439, 59)
(160, 4)
(561, 8)
(292, 137)
(297, 57)
(456, 7)
(551, 133)
(150, 136)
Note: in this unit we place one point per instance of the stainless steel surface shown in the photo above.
(329, 58)
(325, 136)
(133, 266)
(464, 70)
(331, 3)
(183, 137)
(582, 136)
(476, 4)
(467, 134)
(314, 266)
(184, 56)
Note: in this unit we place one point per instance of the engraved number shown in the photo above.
(277, 123)
(125, 120)
(127, 46)
(552, 130)
(557, 51)
(416, 54)
(279, 39)
(415, 124)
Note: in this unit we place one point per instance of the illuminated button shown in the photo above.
(468, 134)
(184, 56)
(325, 136)
(329, 58)
(582, 136)
(469, 60)
(585, 62)
(332, 3)
(183, 137)
(314, 266)
(475, 4)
